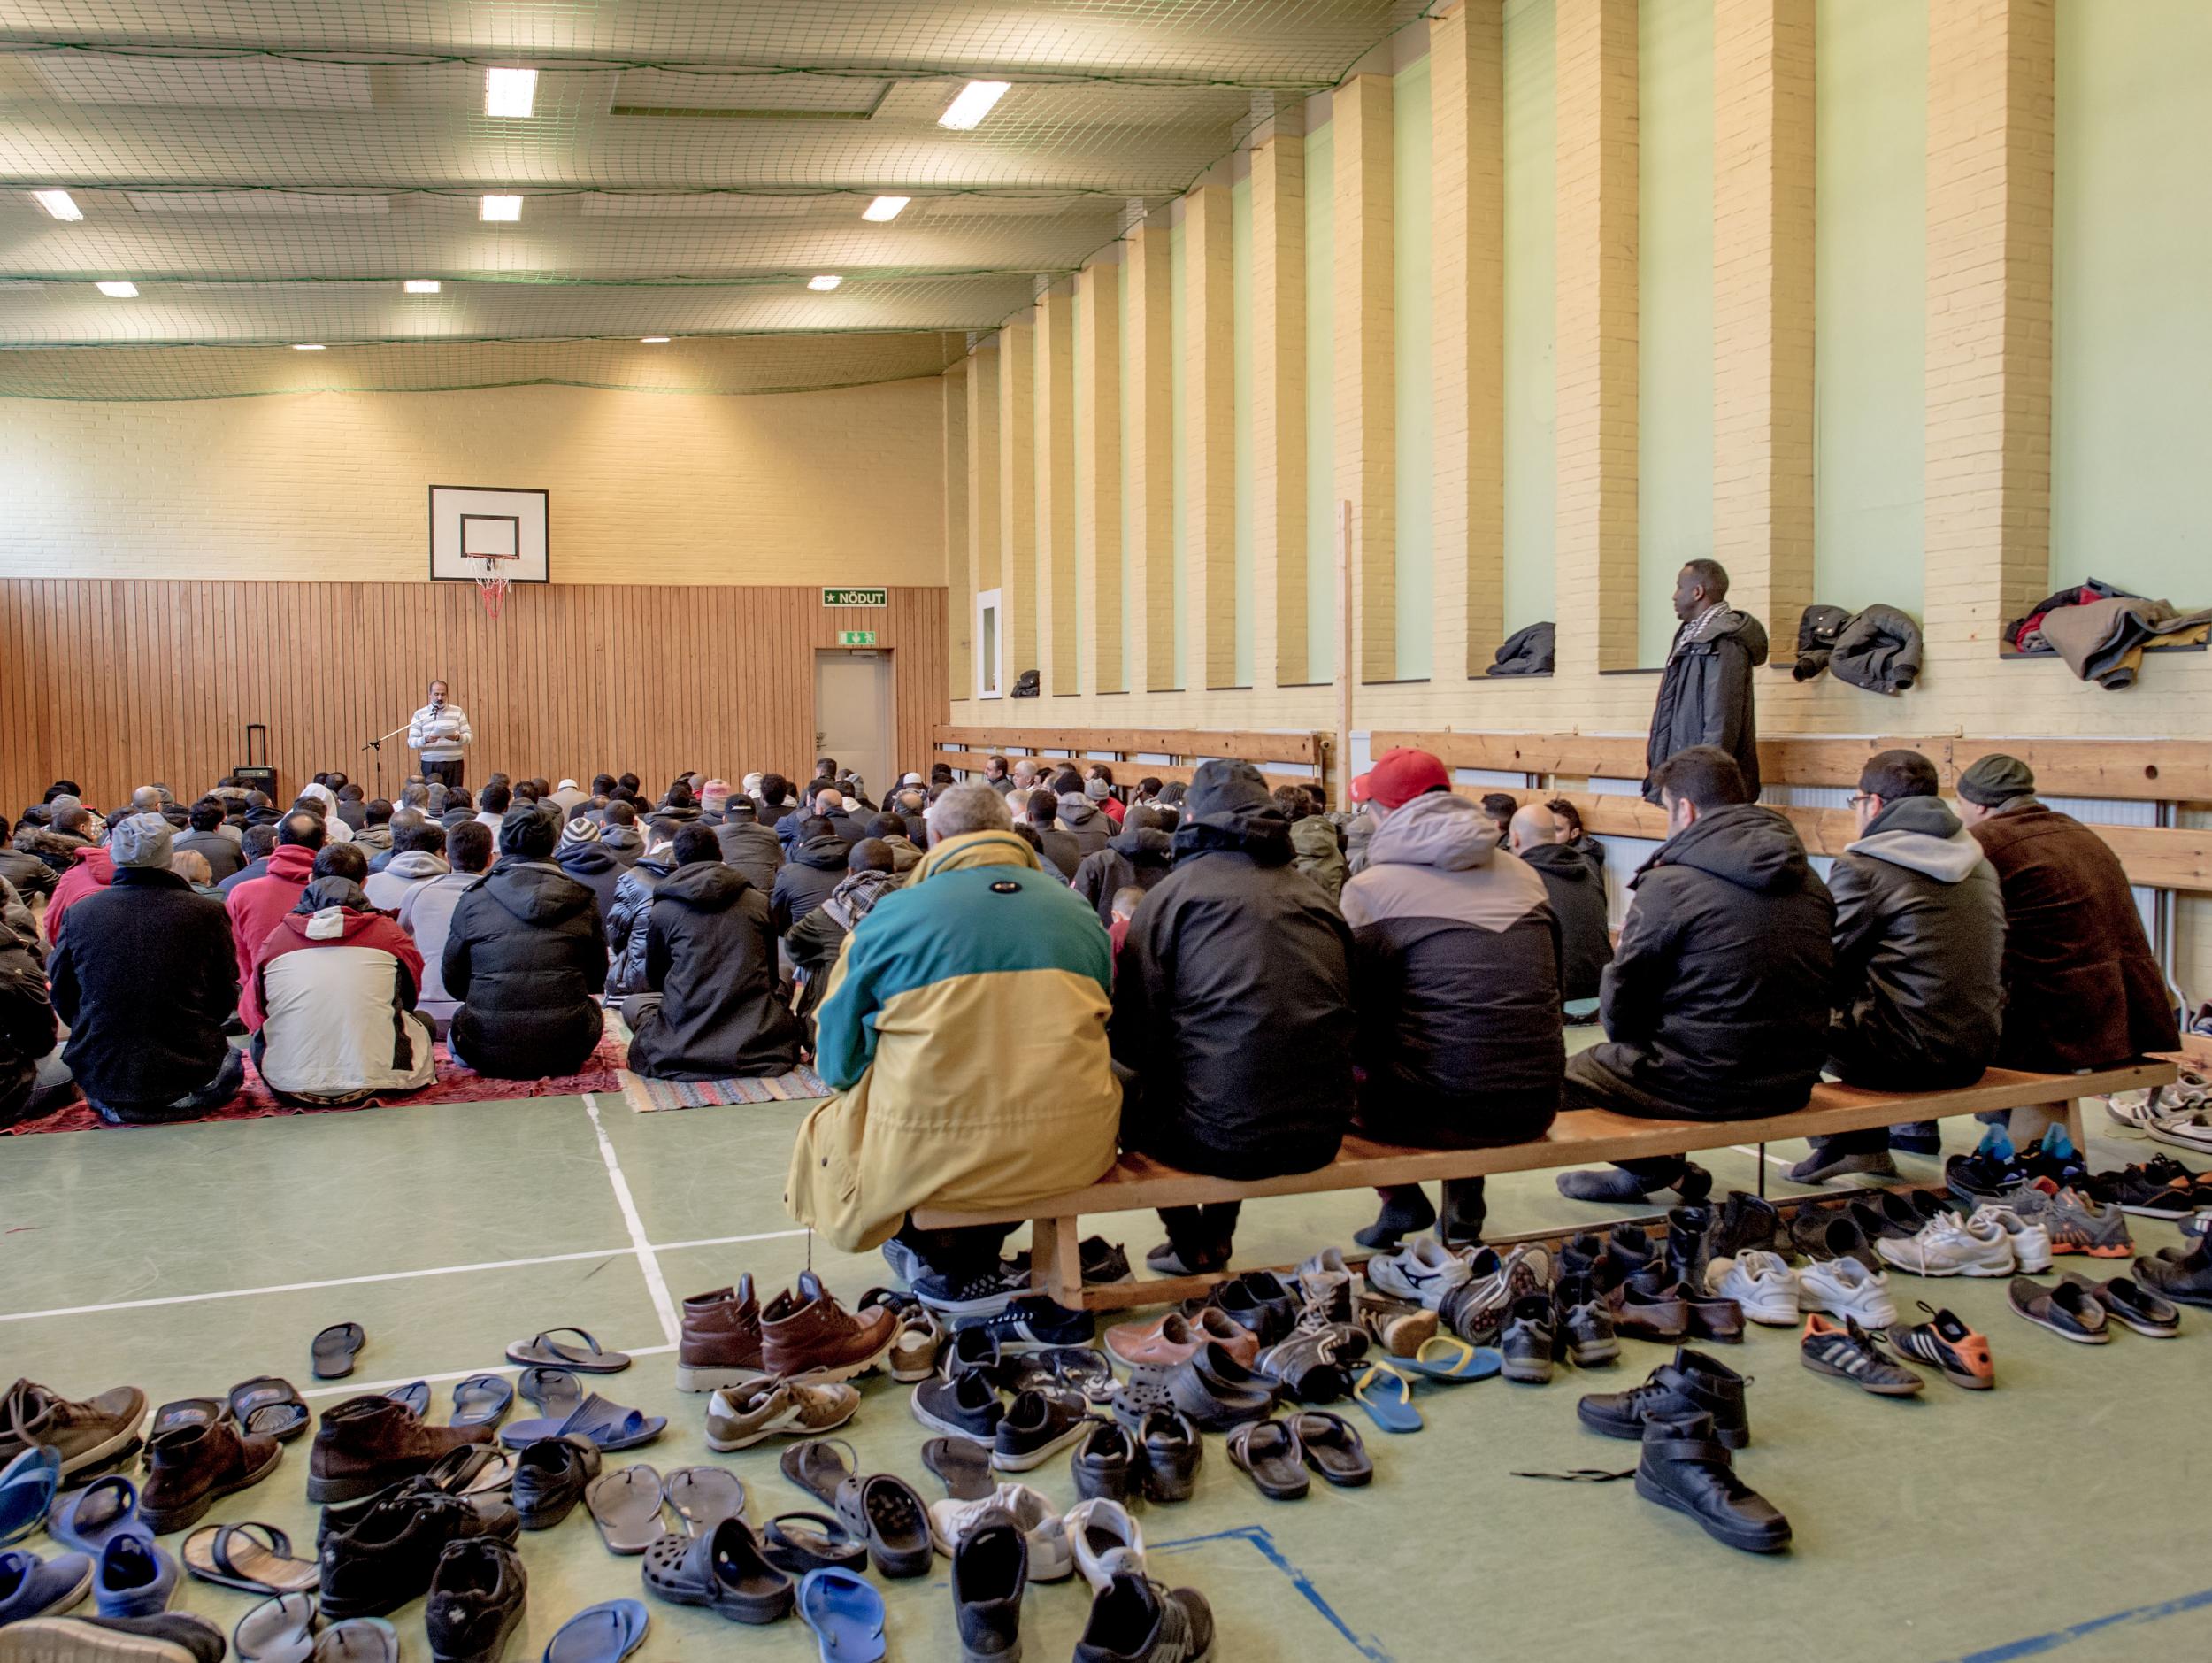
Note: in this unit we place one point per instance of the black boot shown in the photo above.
(1684, 1466)
(1405, 1211)
(1693, 1383)
(1746, 1221)
(1686, 1250)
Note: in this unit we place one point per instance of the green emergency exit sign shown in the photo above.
(856, 597)
(855, 638)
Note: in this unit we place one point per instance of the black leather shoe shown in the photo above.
(1134, 1620)
(1744, 1221)
(1172, 1452)
(1629, 1250)
(387, 1554)
(476, 1599)
(1526, 1339)
(1217, 1392)
(1257, 1300)
(1693, 1383)
(1686, 1250)
(551, 1476)
(1107, 1464)
(1684, 1466)
(1584, 1324)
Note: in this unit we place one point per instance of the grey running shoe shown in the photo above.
(2078, 1225)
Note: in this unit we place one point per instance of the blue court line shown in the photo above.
(2035, 1645)
(1264, 1543)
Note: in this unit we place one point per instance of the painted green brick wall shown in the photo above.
(1413, 212)
(1531, 389)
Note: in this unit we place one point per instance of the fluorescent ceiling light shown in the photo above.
(884, 208)
(653, 340)
(973, 103)
(118, 290)
(499, 208)
(510, 92)
(421, 285)
(307, 346)
(827, 282)
(60, 204)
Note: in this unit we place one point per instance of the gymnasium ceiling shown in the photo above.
(269, 174)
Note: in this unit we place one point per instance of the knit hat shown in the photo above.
(580, 830)
(1097, 790)
(911, 779)
(1996, 780)
(1400, 775)
(566, 785)
(141, 840)
(713, 796)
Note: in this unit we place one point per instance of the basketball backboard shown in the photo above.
(480, 530)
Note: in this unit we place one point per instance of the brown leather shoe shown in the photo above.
(810, 1333)
(188, 1466)
(366, 1445)
(1650, 1316)
(84, 1434)
(1174, 1339)
(721, 1339)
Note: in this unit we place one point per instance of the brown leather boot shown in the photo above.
(366, 1445)
(810, 1333)
(721, 1339)
(188, 1466)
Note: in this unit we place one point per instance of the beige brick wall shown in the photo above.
(1278, 408)
(1017, 492)
(959, 551)
(1055, 488)
(1098, 506)
(1151, 503)
(646, 488)
(1366, 364)
(1210, 477)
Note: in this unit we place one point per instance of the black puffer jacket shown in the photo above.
(1715, 1004)
(1879, 650)
(710, 954)
(805, 881)
(1457, 979)
(1140, 858)
(1920, 948)
(524, 954)
(1705, 697)
(30, 875)
(1577, 888)
(1232, 996)
(626, 923)
(753, 850)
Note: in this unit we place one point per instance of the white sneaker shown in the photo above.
(2138, 1111)
(1950, 1246)
(1106, 1540)
(1845, 1287)
(2031, 1241)
(1050, 1559)
(1761, 1282)
(1423, 1273)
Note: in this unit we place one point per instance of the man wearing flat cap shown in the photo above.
(2082, 989)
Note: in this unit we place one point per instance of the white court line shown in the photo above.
(1772, 1160)
(640, 1241)
(373, 1388)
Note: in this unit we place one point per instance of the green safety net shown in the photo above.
(270, 175)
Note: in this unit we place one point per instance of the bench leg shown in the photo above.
(1055, 1261)
(2030, 1122)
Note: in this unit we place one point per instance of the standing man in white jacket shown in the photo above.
(438, 731)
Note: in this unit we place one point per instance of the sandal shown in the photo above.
(470, 1470)
(548, 1352)
(1268, 1450)
(886, 1511)
(1442, 1357)
(255, 1559)
(803, 1541)
(963, 1465)
(1328, 1445)
(1387, 1396)
(105, 1507)
(335, 1350)
(269, 1406)
(725, 1571)
(1085, 1370)
(845, 1613)
(626, 1504)
(187, 1412)
(357, 1640)
(820, 1466)
(604, 1633)
(278, 1630)
(703, 1497)
(27, 1485)
(555, 1391)
(481, 1400)
(606, 1423)
(414, 1397)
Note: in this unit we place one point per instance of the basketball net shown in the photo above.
(491, 586)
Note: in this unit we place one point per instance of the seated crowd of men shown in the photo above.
(1005, 981)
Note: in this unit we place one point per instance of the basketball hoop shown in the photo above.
(491, 584)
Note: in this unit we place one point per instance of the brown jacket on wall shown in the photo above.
(2082, 989)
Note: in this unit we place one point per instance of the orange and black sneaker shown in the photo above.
(1948, 1346)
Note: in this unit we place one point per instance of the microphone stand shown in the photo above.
(377, 745)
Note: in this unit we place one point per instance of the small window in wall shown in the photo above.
(988, 680)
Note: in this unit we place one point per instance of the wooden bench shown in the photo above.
(1577, 1138)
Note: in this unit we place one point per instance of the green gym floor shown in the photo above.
(2061, 1514)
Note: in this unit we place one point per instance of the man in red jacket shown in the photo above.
(331, 1002)
(257, 906)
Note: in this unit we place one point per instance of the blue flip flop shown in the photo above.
(604, 1633)
(26, 1490)
(555, 1391)
(846, 1614)
(1444, 1357)
(415, 1396)
(481, 1400)
(103, 1508)
(607, 1424)
(1387, 1396)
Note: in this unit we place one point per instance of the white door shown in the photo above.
(852, 715)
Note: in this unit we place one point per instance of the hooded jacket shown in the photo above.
(1715, 1004)
(965, 1033)
(145, 979)
(626, 924)
(222, 852)
(1456, 977)
(1878, 650)
(1314, 852)
(1529, 651)
(333, 1001)
(626, 843)
(92, 868)
(710, 954)
(1576, 890)
(815, 940)
(2082, 988)
(386, 890)
(906, 854)
(1080, 819)
(1920, 942)
(1233, 996)
(525, 955)
(256, 905)
(1705, 696)
(594, 868)
(805, 881)
(752, 848)
(1139, 857)
(425, 913)
(30, 875)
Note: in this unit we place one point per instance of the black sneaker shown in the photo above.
(1848, 1353)
(1216, 1392)
(1172, 1452)
(1687, 1468)
(1526, 1340)
(1693, 1383)
(1033, 1322)
(990, 1568)
(1584, 1324)
(2186, 1279)
(2053, 1155)
(974, 1349)
(2148, 1191)
(550, 1477)
(1136, 1621)
(1104, 1262)
(1107, 1464)
(386, 1554)
(1949, 1347)
(965, 1405)
(1990, 1173)
(1037, 1427)
(476, 1598)
(984, 1294)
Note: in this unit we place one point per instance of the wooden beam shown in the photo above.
(1170, 742)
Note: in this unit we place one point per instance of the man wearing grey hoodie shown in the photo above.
(1920, 942)
(418, 856)
(1079, 817)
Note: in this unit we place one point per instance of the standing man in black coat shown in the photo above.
(1705, 695)
(1715, 1004)
(1232, 1009)
(523, 954)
